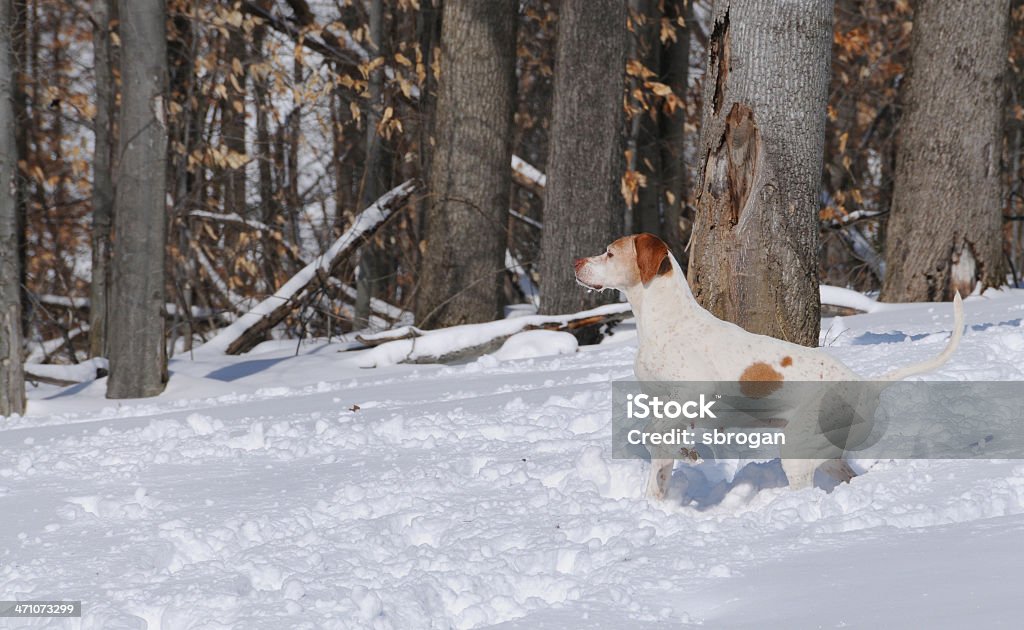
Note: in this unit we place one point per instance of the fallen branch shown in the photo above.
(373, 340)
(43, 351)
(412, 345)
(65, 375)
(527, 220)
(248, 330)
(528, 176)
(377, 306)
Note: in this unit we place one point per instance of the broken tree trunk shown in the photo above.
(242, 335)
(754, 249)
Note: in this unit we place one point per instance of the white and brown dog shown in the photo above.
(680, 341)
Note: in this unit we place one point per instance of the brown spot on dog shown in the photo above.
(759, 380)
(786, 361)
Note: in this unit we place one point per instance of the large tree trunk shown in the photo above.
(944, 231)
(754, 251)
(138, 361)
(12, 378)
(102, 179)
(463, 261)
(583, 208)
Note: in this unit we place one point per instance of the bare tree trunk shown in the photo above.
(647, 137)
(102, 179)
(24, 52)
(372, 267)
(463, 263)
(945, 228)
(675, 73)
(138, 361)
(754, 251)
(232, 126)
(269, 204)
(12, 377)
(583, 207)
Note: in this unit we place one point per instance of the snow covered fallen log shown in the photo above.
(249, 329)
(847, 298)
(372, 340)
(412, 345)
(65, 375)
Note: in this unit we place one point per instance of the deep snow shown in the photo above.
(281, 491)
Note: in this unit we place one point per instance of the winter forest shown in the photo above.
(304, 320)
(492, 142)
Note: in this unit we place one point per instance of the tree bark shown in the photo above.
(754, 250)
(945, 227)
(646, 136)
(138, 361)
(12, 376)
(583, 207)
(102, 179)
(232, 126)
(463, 262)
(675, 73)
(24, 48)
(372, 266)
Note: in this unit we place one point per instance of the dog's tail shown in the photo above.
(931, 364)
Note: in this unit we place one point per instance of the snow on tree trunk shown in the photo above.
(945, 228)
(754, 250)
(583, 208)
(138, 359)
(467, 215)
(12, 377)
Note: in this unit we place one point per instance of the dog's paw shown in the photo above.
(657, 481)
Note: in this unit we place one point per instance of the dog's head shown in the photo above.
(627, 262)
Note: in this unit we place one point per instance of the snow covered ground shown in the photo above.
(280, 491)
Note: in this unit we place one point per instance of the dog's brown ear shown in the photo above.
(651, 256)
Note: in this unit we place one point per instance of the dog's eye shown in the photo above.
(609, 253)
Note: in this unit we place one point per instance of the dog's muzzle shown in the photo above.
(577, 266)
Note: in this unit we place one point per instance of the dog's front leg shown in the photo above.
(657, 482)
(800, 472)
